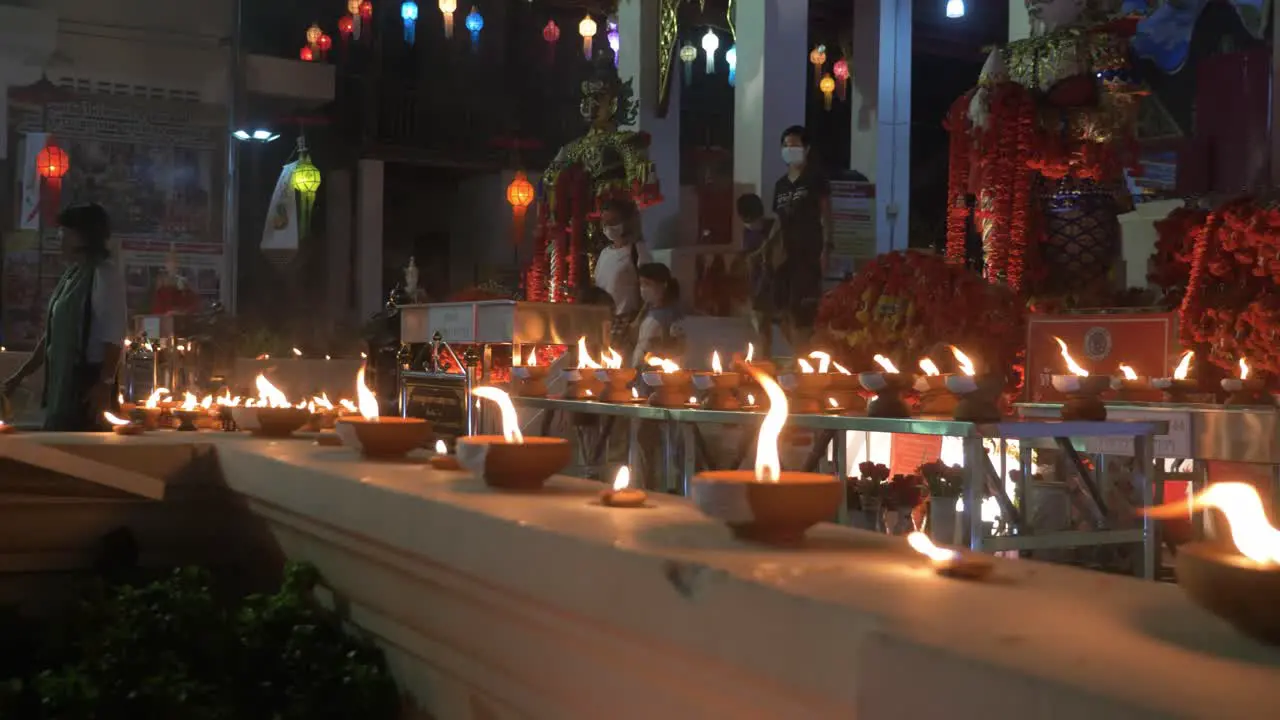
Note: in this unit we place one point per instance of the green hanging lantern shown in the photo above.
(305, 181)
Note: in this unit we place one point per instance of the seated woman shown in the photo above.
(660, 331)
(85, 327)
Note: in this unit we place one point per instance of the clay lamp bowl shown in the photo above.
(616, 383)
(1084, 396)
(1237, 589)
(273, 422)
(1176, 390)
(511, 461)
(888, 388)
(977, 397)
(7, 429)
(119, 426)
(1245, 392)
(807, 391)
(670, 389)
(935, 398)
(148, 417)
(582, 384)
(188, 419)
(771, 512)
(383, 438)
(442, 460)
(531, 380)
(846, 391)
(622, 495)
(1130, 388)
(720, 389)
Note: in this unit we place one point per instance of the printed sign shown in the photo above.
(438, 398)
(1146, 342)
(1174, 444)
(853, 232)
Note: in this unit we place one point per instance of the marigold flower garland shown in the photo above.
(958, 125)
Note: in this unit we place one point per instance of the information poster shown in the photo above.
(1146, 342)
(853, 216)
(152, 165)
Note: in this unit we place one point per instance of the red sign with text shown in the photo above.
(1146, 342)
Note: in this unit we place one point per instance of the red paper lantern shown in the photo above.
(52, 164)
(306, 55)
(551, 33)
(366, 11)
(841, 72)
(520, 196)
(346, 26)
(324, 43)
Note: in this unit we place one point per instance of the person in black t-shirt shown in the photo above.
(802, 202)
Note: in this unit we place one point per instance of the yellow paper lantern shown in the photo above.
(587, 29)
(313, 35)
(305, 181)
(818, 58)
(447, 9)
(827, 85)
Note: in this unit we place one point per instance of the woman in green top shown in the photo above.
(84, 328)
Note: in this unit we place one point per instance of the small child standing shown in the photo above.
(763, 249)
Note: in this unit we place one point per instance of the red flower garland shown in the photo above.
(958, 125)
(1023, 114)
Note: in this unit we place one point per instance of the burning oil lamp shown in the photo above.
(765, 366)
(841, 384)
(149, 414)
(442, 460)
(615, 378)
(271, 415)
(948, 562)
(379, 437)
(807, 388)
(1240, 585)
(531, 378)
(120, 426)
(720, 387)
(582, 382)
(1129, 383)
(671, 385)
(188, 413)
(1083, 391)
(888, 385)
(935, 399)
(1245, 390)
(1177, 388)
(978, 393)
(6, 428)
(511, 461)
(768, 505)
(622, 495)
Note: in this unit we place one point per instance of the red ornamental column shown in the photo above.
(52, 163)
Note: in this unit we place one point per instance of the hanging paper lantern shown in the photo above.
(688, 53)
(305, 54)
(353, 12)
(818, 58)
(710, 44)
(409, 14)
(305, 181)
(841, 72)
(52, 163)
(615, 40)
(827, 85)
(520, 196)
(731, 59)
(447, 9)
(325, 43)
(345, 27)
(366, 12)
(313, 35)
(587, 29)
(551, 33)
(475, 23)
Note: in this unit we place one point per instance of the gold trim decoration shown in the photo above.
(668, 29)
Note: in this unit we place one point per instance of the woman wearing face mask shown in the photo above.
(660, 331)
(86, 322)
(616, 266)
(802, 202)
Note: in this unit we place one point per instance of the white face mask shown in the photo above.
(614, 232)
(793, 155)
(650, 295)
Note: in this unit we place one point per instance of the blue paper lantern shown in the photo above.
(731, 58)
(409, 13)
(475, 23)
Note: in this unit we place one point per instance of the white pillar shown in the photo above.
(773, 79)
(370, 295)
(864, 88)
(893, 124)
(638, 30)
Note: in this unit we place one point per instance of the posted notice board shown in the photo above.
(1146, 342)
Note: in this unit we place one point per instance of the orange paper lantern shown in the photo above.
(52, 164)
(520, 195)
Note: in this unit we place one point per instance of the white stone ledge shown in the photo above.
(547, 606)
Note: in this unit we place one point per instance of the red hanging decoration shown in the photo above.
(551, 33)
(305, 55)
(366, 11)
(520, 196)
(958, 126)
(325, 43)
(52, 163)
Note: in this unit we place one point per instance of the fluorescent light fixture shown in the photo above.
(261, 134)
(240, 135)
(955, 9)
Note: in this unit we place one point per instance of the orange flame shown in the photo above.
(1252, 534)
(510, 421)
(805, 367)
(116, 421)
(716, 367)
(824, 360)
(612, 360)
(1244, 369)
(929, 367)
(622, 479)
(768, 464)
(751, 352)
(270, 395)
(885, 364)
(1184, 365)
(966, 365)
(368, 402)
(1072, 366)
(533, 359)
(584, 358)
(1128, 372)
(840, 368)
(667, 365)
(923, 545)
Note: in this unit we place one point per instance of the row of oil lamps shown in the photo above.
(827, 388)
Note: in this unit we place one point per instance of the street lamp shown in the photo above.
(259, 135)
